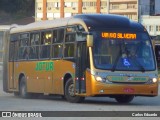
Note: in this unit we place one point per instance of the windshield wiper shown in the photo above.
(116, 61)
(139, 64)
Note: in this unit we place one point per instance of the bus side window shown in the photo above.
(60, 35)
(80, 36)
(57, 51)
(70, 34)
(69, 50)
(24, 42)
(57, 47)
(54, 36)
(34, 48)
(45, 44)
(70, 38)
(26, 53)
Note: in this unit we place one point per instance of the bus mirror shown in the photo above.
(89, 40)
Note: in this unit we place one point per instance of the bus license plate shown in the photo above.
(129, 90)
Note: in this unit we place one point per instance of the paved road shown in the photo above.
(8, 102)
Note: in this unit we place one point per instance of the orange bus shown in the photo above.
(81, 56)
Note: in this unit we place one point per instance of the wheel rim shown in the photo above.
(71, 90)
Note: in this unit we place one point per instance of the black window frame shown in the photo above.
(44, 46)
(61, 42)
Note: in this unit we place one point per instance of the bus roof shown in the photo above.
(95, 21)
(92, 21)
(47, 24)
(4, 27)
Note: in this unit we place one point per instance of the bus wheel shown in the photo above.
(69, 92)
(124, 98)
(23, 88)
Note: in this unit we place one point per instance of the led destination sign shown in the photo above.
(119, 35)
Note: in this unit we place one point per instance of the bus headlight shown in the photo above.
(100, 79)
(154, 80)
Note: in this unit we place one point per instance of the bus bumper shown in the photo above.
(125, 89)
(94, 88)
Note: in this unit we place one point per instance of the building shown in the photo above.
(142, 11)
(153, 27)
(150, 11)
(52, 9)
(133, 9)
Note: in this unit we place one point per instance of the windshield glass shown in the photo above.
(123, 51)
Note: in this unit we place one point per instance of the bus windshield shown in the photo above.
(123, 51)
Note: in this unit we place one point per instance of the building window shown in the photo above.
(50, 5)
(39, 6)
(158, 28)
(39, 15)
(67, 4)
(114, 6)
(103, 3)
(151, 28)
(56, 15)
(89, 4)
(131, 6)
(57, 4)
(74, 4)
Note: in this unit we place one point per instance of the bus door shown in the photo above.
(80, 68)
(12, 64)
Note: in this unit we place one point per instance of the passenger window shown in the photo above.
(57, 51)
(70, 37)
(57, 47)
(58, 35)
(45, 44)
(69, 50)
(35, 38)
(46, 38)
(34, 48)
(70, 34)
(24, 43)
(24, 39)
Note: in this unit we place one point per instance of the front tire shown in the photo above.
(69, 92)
(23, 88)
(124, 98)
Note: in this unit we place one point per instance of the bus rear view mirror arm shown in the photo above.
(89, 40)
